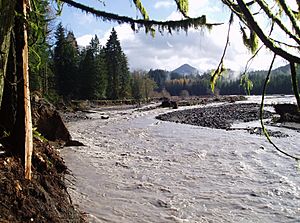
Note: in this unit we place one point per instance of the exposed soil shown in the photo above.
(45, 197)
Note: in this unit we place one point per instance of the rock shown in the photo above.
(167, 103)
(174, 104)
(74, 143)
(48, 121)
(287, 112)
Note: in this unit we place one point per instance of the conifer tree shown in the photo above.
(93, 72)
(66, 57)
(124, 77)
(117, 68)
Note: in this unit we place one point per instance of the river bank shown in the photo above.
(44, 198)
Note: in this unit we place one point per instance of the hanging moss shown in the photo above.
(149, 25)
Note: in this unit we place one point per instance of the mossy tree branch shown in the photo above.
(274, 18)
(295, 84)
(170, 26)
(291, 16)
(268, 43)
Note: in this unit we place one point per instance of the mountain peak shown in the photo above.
(186, 69)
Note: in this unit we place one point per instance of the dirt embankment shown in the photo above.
(44, 198)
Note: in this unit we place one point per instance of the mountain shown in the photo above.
(280, 71)
(186, 69)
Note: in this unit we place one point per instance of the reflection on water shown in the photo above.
(138, 169)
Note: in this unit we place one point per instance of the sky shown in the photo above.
(199, 48)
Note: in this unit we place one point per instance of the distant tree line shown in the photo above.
(196, 85)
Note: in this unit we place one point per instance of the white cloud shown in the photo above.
(201, 49)
(164, 4)
(83, 18)
(84, 40)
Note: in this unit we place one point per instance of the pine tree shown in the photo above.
(65, 59)
(124, 77)
(117, 68)
(58, 56)
(93, 71)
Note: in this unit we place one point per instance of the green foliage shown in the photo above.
(215, 76)
(39, 50)
(66, 58)
(159, 77)
(92, 72)
(229, 84)
(141, 85)
(246, 83)
(117, 68)
(251, 41)
(38, 135)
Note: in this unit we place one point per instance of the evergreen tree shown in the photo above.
(58, 57)
(101, 76)
(160, 77)
(117, 68)
(124, 77)
(66, 57)
(93, 72)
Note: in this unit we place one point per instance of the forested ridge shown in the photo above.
(231, 83)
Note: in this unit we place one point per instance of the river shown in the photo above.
(135, 168)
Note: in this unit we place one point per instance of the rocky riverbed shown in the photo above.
(219, 117)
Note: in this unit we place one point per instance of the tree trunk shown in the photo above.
(22, 131)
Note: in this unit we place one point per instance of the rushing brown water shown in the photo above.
(135, 168)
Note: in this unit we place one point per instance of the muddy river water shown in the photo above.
(135, 168)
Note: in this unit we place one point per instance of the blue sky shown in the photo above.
(199, 48)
